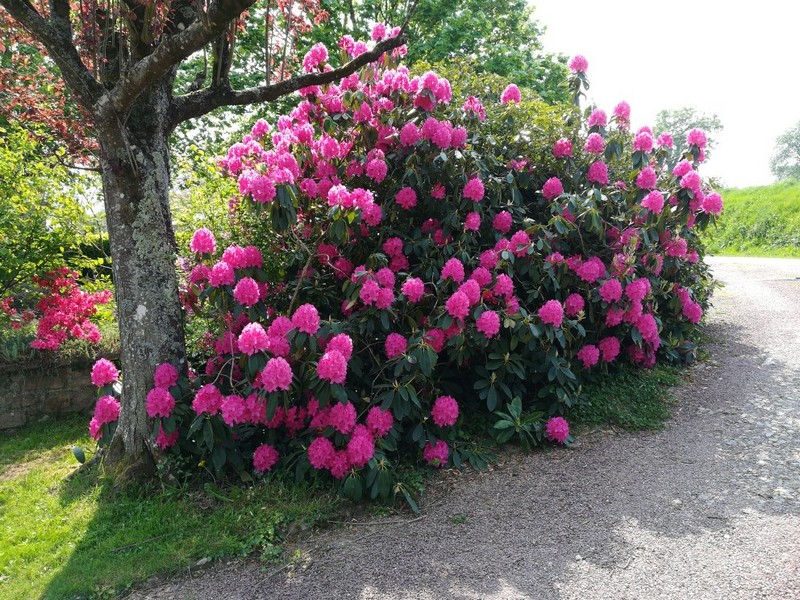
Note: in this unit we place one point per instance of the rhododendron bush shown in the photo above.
(442, 259)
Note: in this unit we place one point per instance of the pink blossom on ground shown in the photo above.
(578, 64)
(474, 190)
(277, 375)
(104, 372)
(436, 455)
(610, 291)
(588, 355)
(562, 148)
(406, 198)
(264, 458)
(379, 422)
(557, 429)
(654, 202)
(488, 323)
(472, 222)
(598, 173)
(247, 292)
(159, 403)
(306, 319)
(321, 452)
(413, 289)
(165, 376)
(574, 304)
(551, 313)
(444, 411)
(332, 367)
(203, 242)
(609, 348)
(207, 400)
(502, 221)
(511, 94)
(253, 339)
(395, 345)
(552, 188)
(453, 269)
(457, 305)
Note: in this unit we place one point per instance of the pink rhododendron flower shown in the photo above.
(376, 170)
(511, 94)
(488, 259)
(393, 246)
(598, 118)
(712, 203)
(598, 173)
(306, 319)
(106, 411)
(321, 452)
(562, 148)
(482, 276)
(589, 355)
(453, 269)
(552, 188)
(221, 274)
(234, 410)
(339, 464)
(609, 348)
(474, 190)
(551, 313)
(207, 400)
(379, 422)
(611, 291)
(159, 403)
(457, 305)
(277, 375)
(360, 447)
(332, 367)
(591, 270)
(203, 242)
(614, 316)
(665, 141)
(594, 144)
(436, 455)
(407, 198)
(574, 304)
(557, 429)
(696, 137)
(578, 64)
(413, 289)
(409, 134)
(692, 311)
(385, 277)
(472, 291)
(473, 105)
(445, 411)
(622, 112)
(504, 286)
(342, 417)
(643, 142)
(104, 372)
(520, 242)
(654, 202)
(315, 57)
(264, 458)
(165, 376)
(167, 440)
(647, 326)
(253, 339)
(638, 289)
(488, 323)
(682, 168)
(343, 344)
(395, 345)
(438, 191)
(436, 339)
(472, 222)
(502, 221)
(247, 292)
(646, 179)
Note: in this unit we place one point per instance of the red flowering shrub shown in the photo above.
(439, 259)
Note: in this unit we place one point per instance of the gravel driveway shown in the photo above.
(707, 508)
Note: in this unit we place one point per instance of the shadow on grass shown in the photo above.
(31, 442)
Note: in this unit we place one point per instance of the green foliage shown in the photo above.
(758, 221)
(526, 427)
(43, 221)
(785, 162)
(66, 534)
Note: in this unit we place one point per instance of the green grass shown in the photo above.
(758, 221)
(630, 398)
(66, 535)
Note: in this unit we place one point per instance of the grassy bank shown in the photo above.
(758, 221)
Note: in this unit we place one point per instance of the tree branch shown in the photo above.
(196, 104)
(173, 50)
(58, 40)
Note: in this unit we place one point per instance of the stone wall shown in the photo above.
(31, 393)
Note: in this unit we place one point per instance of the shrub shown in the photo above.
(441, 261)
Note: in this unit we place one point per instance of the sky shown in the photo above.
(738, 60)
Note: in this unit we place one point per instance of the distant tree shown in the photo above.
(678, 122)
(785, 161)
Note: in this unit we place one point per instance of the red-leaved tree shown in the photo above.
(117, 62)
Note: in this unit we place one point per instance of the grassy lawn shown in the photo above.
(758, 221)
(66, 535)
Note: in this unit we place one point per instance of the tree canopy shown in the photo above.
(785, 161)
(678, 122)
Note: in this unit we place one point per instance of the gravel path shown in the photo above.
(707, 508)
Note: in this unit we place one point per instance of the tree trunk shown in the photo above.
(134, 158)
